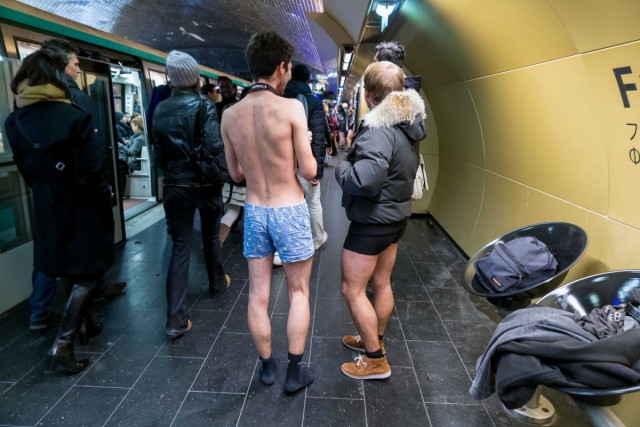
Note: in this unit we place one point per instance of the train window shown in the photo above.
(26, 48)
(8, 69)
(14, 220)
(157, 78)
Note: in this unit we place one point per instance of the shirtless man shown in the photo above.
(265, 135)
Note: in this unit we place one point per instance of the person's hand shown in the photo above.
(310, 136)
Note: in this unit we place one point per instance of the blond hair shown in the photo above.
(382, 78)
(138, 122)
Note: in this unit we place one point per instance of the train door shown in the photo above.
(135, 171)
(96, 83)
(16, 245)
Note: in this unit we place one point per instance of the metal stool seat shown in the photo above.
(567, 241)
(584, 295)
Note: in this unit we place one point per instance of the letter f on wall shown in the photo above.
(624, 87)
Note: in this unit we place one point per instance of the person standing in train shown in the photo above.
(377, 182)
(265, 137)
(174, 130)
(56, 151)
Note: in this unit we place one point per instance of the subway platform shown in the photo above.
(137, 377)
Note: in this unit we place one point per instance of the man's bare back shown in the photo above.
(265, 136)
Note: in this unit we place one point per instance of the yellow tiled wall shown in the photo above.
(529, 123)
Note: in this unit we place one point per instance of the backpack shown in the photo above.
(208, 168)
(518, 263)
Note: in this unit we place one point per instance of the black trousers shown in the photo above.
(180, 204)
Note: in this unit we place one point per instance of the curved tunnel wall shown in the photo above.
(535, 116)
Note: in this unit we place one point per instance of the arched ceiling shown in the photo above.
(216, 32)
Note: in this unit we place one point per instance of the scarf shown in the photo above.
(28, 95)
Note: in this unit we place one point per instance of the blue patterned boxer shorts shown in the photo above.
(284, 229)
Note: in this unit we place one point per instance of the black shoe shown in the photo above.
(216, 294)
(39, 325)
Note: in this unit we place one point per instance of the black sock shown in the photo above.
(298, 377)
(375, 355)
(269, 370)
(380, 337)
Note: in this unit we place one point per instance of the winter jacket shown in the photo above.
(316, 120)
(378, 173)
(174, 131)
(73, 222)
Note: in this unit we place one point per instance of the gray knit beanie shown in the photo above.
(182, 69)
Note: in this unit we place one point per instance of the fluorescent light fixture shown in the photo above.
(341, 81)
(345, 66)
(347, 56)
(384, 10)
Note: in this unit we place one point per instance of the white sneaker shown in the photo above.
(276, 259)
(325, 237)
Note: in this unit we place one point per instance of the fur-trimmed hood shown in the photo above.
(404, 108)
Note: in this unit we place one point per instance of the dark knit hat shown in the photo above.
(182, 69)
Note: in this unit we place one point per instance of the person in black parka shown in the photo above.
(56, 151)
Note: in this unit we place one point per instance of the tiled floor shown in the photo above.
(209, 377)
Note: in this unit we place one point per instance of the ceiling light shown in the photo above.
(342, 81)
(384, 10)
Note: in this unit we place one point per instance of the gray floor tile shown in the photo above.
(441, 374)
(458, 415)
(451, 304)
(420, 321)
(32, 397)
(200, 409)
(84, 406)
(158, 394)
(230, 365)
(332, 318)
(470, 339)
(408, 411)
(334, 412)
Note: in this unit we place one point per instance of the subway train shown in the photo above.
(119, 76)
(533, 110)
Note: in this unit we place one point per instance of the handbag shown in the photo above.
(521, 262)
(208, 168)
(420, 182)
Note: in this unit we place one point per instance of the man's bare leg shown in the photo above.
(258, 315)
(357, 269)
(381, 283)
(297, 274)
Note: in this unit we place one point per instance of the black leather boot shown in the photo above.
(88, 329)
(61, 352)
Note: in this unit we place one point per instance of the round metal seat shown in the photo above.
(584, 295)
(567, 241)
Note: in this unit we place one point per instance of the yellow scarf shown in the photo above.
(28, 95)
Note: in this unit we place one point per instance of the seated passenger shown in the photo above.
(134, 148)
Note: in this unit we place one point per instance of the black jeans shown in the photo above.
(180, 204)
